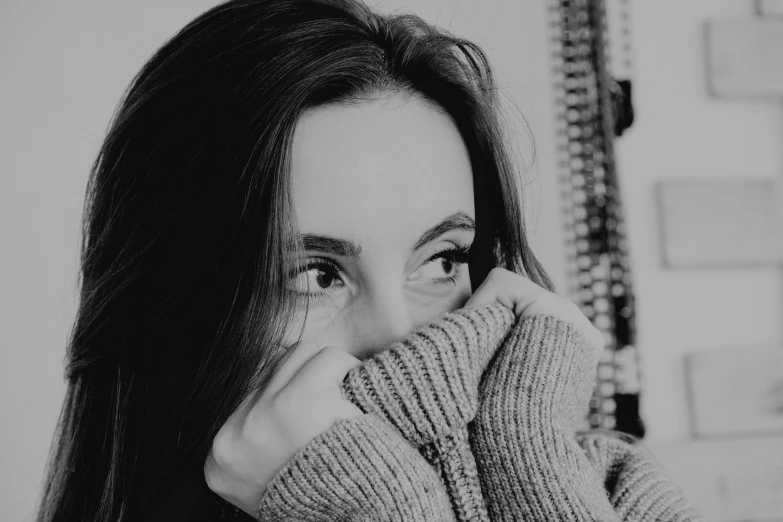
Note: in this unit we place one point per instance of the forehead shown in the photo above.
(386, 168)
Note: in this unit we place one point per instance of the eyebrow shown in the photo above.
(457, 221)
(330, 245)
(344, 248)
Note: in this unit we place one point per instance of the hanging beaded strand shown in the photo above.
(597, 250)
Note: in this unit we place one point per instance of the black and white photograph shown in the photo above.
(391, 261)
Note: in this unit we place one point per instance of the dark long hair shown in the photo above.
(188, 214)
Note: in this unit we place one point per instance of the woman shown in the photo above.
(289, 187)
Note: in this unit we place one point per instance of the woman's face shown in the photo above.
(383, 195)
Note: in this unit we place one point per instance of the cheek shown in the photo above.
(324, 326)
(426, 310)
(355, 328)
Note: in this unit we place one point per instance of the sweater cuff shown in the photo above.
(638, 487)
(549, 365)
(359, 469)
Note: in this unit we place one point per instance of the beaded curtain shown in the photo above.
(592, 109)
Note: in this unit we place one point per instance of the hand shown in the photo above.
(526, 298)
(266, 431)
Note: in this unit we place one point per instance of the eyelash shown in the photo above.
(458, 254)
(321, 263)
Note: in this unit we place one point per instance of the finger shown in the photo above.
(328, 366)
(299, 353)
(483, 295)
(212, 473)
(489, 291)
(510, 289)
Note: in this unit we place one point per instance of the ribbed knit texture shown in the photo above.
(359, 469)
(519, 459)
(637, 489)
(532, 398)
(427, 387)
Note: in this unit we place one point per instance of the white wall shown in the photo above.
(682, 134)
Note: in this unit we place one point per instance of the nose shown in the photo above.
(385, 318)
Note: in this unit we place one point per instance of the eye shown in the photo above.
(317, 277)
(439, 267)
(442, 267)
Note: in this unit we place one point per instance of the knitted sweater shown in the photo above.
(473, 417)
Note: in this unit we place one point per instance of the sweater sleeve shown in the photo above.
(637, 487)
(532, 398)
(359, 469)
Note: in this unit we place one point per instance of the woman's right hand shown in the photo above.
(302, 401)
(526, 298)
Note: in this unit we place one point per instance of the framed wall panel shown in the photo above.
(745, 57)
(737, 480)
(719, 224)
(769, 7)
(738, 392)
